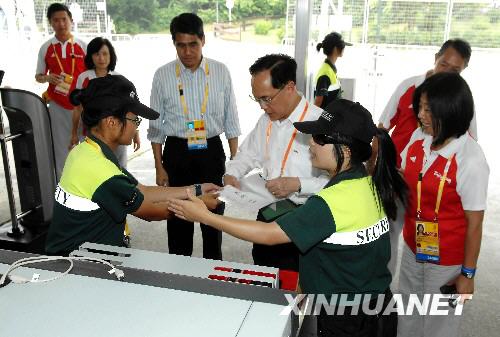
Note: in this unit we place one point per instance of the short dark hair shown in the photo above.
(58, 7)
(187, 23)
(461, 46)
(451, 104)
(94, 46)
(283, 68)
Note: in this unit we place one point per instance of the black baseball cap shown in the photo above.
(342, 117)
(111, 95)
(335, 39)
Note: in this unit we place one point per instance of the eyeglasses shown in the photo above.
(323, 139)
(137, 120)
(266, 100)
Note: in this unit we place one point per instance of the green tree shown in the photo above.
(133, 16)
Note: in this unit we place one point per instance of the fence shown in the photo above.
(405, 22)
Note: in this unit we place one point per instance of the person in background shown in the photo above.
(398, 115)
(335, 228)
(195, 98)
(60, 62)
(327, 83)
(447, 176)
(275, 147)
(95, 193)
(100, 61)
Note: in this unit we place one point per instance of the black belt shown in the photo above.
(179, 140)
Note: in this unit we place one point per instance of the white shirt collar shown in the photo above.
(201, 66)
(447, 151)
(297, 112)
(54, 40)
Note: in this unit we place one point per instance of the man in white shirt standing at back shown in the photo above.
(276, 147)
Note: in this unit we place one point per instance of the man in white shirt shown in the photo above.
(275, 147)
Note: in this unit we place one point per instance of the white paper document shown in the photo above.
(250, 199)
(255, 184)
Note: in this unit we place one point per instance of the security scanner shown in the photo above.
(158, 295)
(182, 265)
(31, 139)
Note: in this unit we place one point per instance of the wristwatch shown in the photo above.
(468, 272)
(197, 189)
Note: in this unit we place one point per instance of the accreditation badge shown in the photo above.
(64, 86)
(196, 135)
(427, 241)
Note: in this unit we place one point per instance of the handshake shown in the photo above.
(208, 193)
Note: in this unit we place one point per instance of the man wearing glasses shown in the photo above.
(195, 99)
(275, 147)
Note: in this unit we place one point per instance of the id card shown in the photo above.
(427, 241)
(64, 86)
(196, 135)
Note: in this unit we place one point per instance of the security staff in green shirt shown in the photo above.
(95, 193)
(343, 231)
(327, 83)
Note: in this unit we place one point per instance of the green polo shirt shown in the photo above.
(92, 199)
(327, 268)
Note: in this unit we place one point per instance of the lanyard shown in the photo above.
(440, 189)
(290, 142)
(181, 90)
(72, 57)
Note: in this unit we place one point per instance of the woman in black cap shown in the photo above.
(95, 193)
(327, 83)
(343, 231)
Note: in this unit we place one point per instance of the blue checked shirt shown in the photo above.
(221, 114)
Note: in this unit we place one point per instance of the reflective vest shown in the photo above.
(75, 190)
(359, 215)
(327, 70)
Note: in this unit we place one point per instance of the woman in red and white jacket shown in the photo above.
(447, 176)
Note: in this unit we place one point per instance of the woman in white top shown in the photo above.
(100, 61)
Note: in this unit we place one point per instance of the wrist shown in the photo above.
(224, 178)
(299, 188)
(468, 272)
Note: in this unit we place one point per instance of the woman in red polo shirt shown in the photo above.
(447, 175)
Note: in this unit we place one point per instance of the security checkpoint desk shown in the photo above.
(91, 302)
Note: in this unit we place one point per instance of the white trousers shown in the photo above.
(60, 124)
(425, 278)
(121, 155)
(395, 228)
